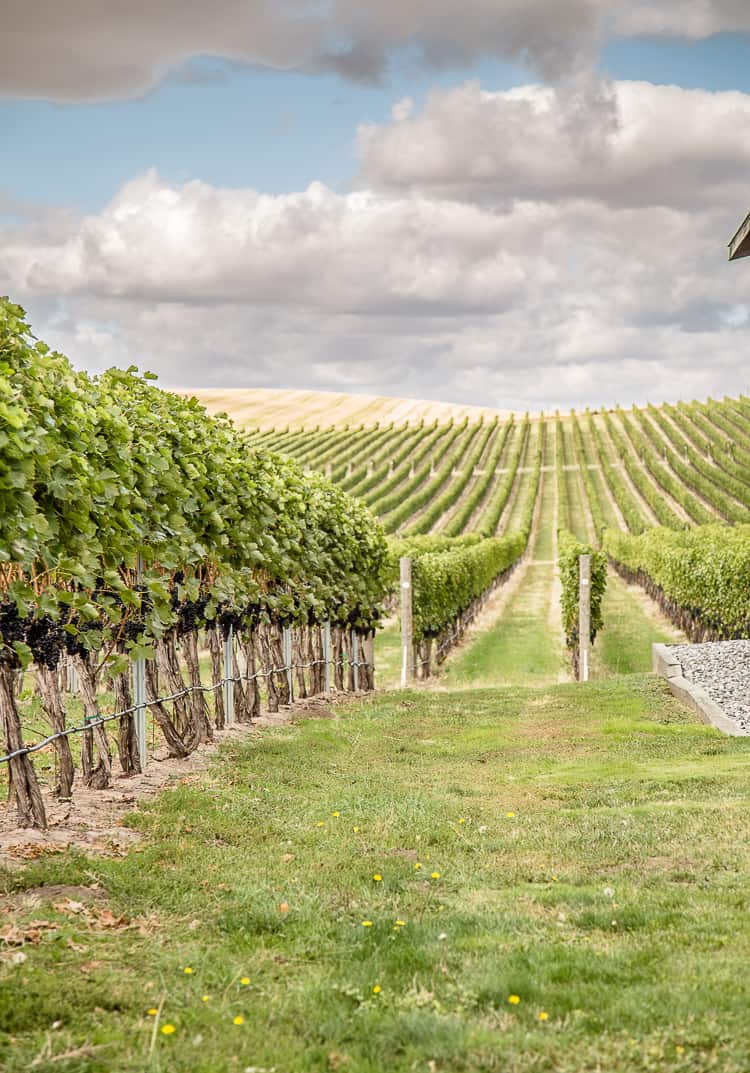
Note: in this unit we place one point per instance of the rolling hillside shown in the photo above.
(267, 409)
(679, 466)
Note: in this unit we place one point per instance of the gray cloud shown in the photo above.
(101, 49)
(105, 49)
(680, 18)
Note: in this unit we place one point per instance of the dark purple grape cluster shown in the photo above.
(46, 639)
(228, 619)
(191, 615)
(11, 629)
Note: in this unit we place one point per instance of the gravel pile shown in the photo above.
(722, 668)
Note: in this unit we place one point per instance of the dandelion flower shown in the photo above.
(543, 1015)
(355, 829)
(336, 814)
(239, 1020)
(510, 815)
(417, 866)
(245, 981)
(377, 989)
(400, 923)
(205, 998)
(320, 824)
(188, 971)
(167, 1030)
(435, 875)
(378, 878)
(514, 1000)
(462, 820)
(152, 1012)
(366, 923)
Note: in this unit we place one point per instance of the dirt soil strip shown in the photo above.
(492, 487)
(446, 518)
(646, 510)
(679, 510)
(92, 820)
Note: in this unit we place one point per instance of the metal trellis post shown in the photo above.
(288, 660)
(327, 654)
(229, 677)
(355, 660)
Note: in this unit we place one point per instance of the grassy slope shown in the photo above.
(592, 858)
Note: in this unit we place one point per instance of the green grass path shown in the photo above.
(631, 626)
(374, 892)
(524, 646)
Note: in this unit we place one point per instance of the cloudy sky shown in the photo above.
(520, 203)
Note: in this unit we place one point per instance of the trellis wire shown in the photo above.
(187, 691)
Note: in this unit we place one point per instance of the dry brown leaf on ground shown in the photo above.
(29, 851)
(31, 932)
(105, 918)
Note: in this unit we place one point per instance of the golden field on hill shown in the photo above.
(270, 408)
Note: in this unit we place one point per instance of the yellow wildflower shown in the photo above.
(543, 1015)
(400, 923)
(510, 815)
(377, 877)
(337, 814)
(417, 866)
(320, 824)
(377, 989)
(239, 1020)
(462, 821)
(205, 998)
(187, 970)
(152, 1012)
(366, 923)
(513, 1000)
(245, 981)
(355, 829)
(435, 875)
(167, 1030)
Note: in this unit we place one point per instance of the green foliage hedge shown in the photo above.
(701, 576)
(445, 583)
(96, 471)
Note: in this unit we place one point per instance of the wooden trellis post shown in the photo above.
(407, 623)
(584, 616)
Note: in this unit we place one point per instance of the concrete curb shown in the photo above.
(694, 696)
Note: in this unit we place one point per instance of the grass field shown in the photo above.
(525, 880)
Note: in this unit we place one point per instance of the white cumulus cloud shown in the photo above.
(497, 250)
